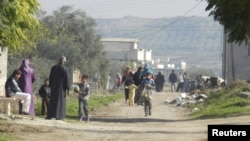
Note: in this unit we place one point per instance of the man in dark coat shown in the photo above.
(137, 77)
(159, 81)
(59, 84)
(173, 79)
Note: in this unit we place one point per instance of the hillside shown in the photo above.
(196, 40)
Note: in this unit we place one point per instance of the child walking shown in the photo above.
(132, 88)
(84, 92)
(147, 85)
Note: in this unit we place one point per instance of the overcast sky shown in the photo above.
(137, 8)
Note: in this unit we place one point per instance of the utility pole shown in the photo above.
(232, 59)
(225, 57)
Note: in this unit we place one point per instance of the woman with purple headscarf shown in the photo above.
(25, 82)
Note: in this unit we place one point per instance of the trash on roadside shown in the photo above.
(187, 98)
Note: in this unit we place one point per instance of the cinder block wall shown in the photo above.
(3, 69)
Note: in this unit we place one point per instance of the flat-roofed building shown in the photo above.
(125, 49)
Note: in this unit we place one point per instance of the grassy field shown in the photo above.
(224, 102)
(7, 137)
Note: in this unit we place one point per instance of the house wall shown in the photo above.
(148, 55)
(120, 49)
(125, 49)
(118, 46)
(3, 69)
(140, 54)
(241, 59)
(136, 55)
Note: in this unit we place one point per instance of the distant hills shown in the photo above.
(196, 40)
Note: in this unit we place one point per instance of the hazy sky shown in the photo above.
(138, 8)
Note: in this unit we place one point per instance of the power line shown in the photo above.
(177, 30)
(173, 21)
(112, 6)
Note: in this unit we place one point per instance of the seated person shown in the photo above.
(13, 90)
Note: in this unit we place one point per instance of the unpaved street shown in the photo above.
(119, 122)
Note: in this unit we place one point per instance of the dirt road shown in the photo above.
(119, 122)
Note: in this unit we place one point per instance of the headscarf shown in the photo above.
(25, 65)
(145, 70)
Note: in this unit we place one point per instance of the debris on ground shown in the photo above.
(188, 98)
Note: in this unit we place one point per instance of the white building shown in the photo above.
(183, 65)
(125, 49)
(147, 54)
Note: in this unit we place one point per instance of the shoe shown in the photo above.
(149, 113)
(87, 118)
(146, 115)
(80, 118)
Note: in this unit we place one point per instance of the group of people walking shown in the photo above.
(138, 87)
(182, 81)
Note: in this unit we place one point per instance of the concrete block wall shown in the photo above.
(3, 69)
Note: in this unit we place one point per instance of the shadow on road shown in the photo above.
(120, 119)
(132, 120)
(110, 131)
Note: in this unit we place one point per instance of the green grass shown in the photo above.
(95, 102)
(224, 102)
(7, 137)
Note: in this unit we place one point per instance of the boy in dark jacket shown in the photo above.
(44, 92)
